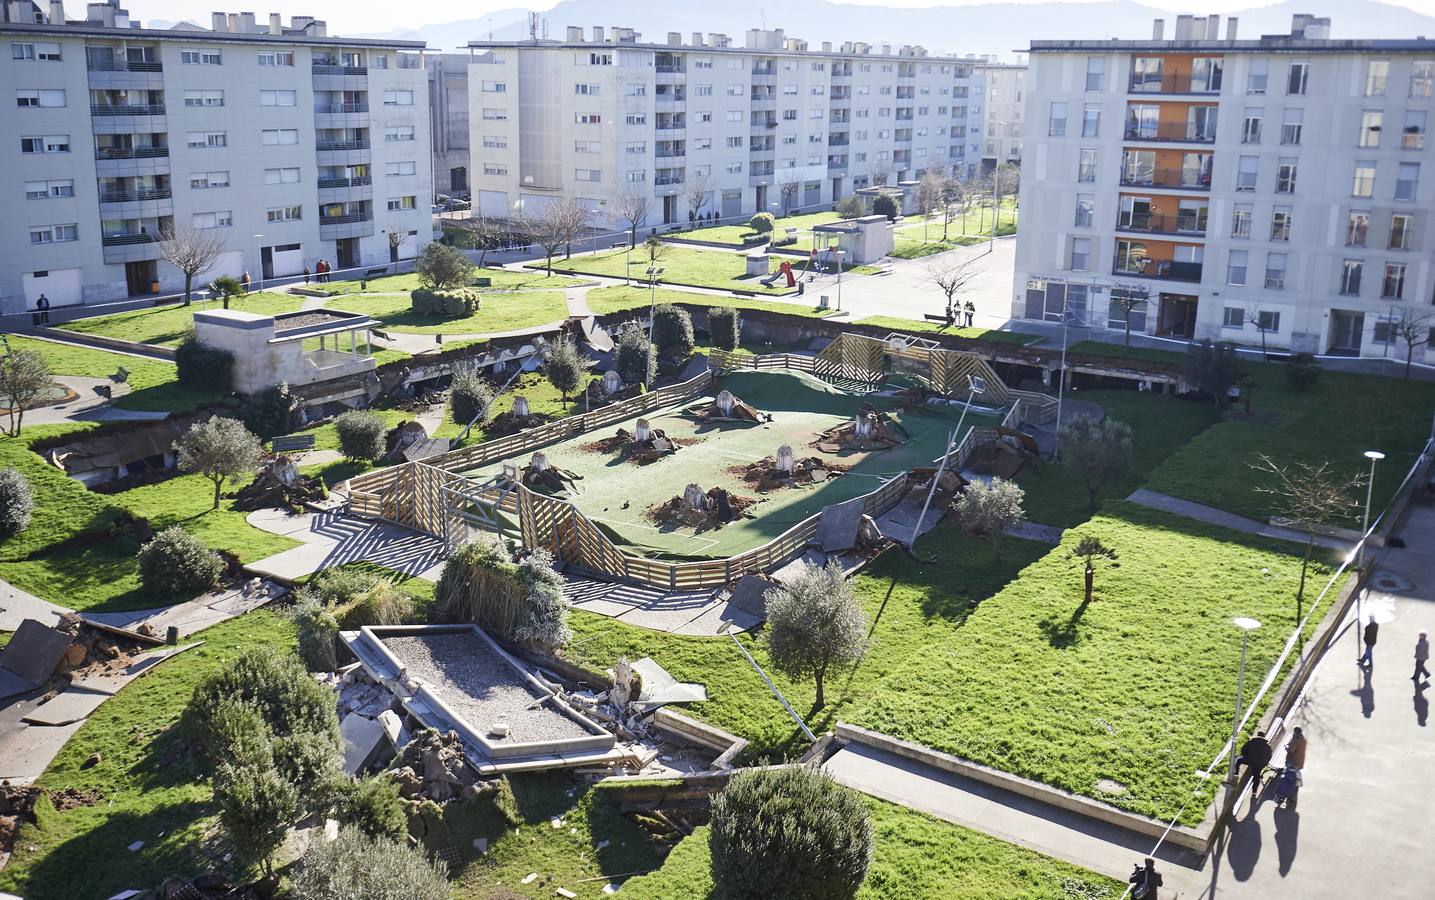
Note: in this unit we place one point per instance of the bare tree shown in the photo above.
(696, 191)
(193, 251)
(788, 184)
(1128, 302)
(396, 237)
(631, 206)
(878, 171)
(980, 187)
(1255, 317)
(1413, 327)
(485, 232)
(554, 225)
(953, 201)
(929, 198)
(951, 278)
(1098, 451)
(1006, 180)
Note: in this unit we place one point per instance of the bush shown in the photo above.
(382, 604)
(318, 633)
(633, 355)
(203, 367)
(356, 865)
(789, 833)
(16, 502)
(372, 805)
(174, 563)
(1301, 371)
(285, 697)
(522, 602)
(850, 207)
(339, 587)
(445, 304)
(469, 397)
(361, 434)
(724, 327)
(565, 367)
(885, 205)
(218, 448)
(673, 330)
(270, 412)
(440, 266)
(762, 223)
(256, 808)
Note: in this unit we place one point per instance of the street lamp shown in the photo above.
(1061, 384)
(595, 213)
(653, 273)
(628, 247)
(1247, 626)
(1374, 456)
(259, 238)
(975, 385)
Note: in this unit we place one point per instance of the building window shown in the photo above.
(1297, 77)
(279, 137)
(703, 90)
(1292, 122)
(1363, 184)
(1091, 120)
(1241, 220)
(399, 133)
(587, 90)
(501, 115)
(201, 181)
(41, 190)
(1407, 180)
(494, 169)
(398, 98)
(1392, 286)
(278, 98)
(198, 140)
(1422, 78)
(1236, 265)
(199, 57)
(220, 219)
(1251, 127)
(288, 175)
(1356, 228)
(636, 176)
(1285, 176)
(1377, 72)
(1246, 170)
(287, 213)
(1370, 123)
(1401, 225)
(1085, 207)
(401, 167)
(1275, 271)
(1412, 136)
(204, 98)
(398, 204)
(1080, 254)
(1350, 277)
(54, 234)
(1268, 321)
(587, 174)
(495, 142)
(38, 52)
(1086, 168)
(1056, 123)
(1257, 76)
(276, 58)
(37, 98)
(637, 89)
(1281, 224)
(1233, 317)
(1095, 73)
(1384, 332)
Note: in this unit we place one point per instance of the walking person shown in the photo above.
(1372, 631)
(1422, 653)
(244, 280)
(1256, 755)
(1295, 749)
(1145, 880)
(970, 309)
(42, 307)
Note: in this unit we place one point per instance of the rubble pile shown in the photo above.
(700, 509)
(786, 470)
(644, 444)
(1005, 456)
(608, 389)
(726, 407)
(280, 484)
(541, 475)
(432, 767)
(868, 430)
(400, 438)
(519, 418)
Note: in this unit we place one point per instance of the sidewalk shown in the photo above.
(1361, 824)
(1213, 516)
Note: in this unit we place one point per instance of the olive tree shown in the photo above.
(440, 267)
(1097, 450)
(24, 377)
(815, 624)
(564, 368)
(219, 448)
(990, 508)
(1213, 369)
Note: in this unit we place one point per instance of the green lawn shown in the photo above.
(499, 312)
(154, 384)
(624, 299)
(909, 242)
(542, 398)
(684, 265)
(1121, 351)
(915, 857)
(168, 325)
(501, 279)
(733, 234)
(63, 507)
(991, 335)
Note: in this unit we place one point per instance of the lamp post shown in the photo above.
(1247, 626)
(595, 213)
(1061, 373)
(975, 385)
(1374, 456)
(259, 242)
(653, 273)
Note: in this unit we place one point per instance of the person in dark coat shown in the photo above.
(42, 310)
(1372, 631)
(1256, 755)
(1145, 880)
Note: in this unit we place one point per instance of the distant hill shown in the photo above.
(998, 28)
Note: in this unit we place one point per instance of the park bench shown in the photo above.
(737, 293)
(934, 317)
(121, 375)
(376, 272)
(288, 443)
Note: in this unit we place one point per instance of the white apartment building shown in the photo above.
(295, 146)
(1003, 111)
(448, 121)
(1232, 188)
(595, 118)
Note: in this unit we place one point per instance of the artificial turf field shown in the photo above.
(616, 493)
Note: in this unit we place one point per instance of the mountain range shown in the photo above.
(983, 28)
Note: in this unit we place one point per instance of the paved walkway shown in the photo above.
(700, 613)
(1214, 516)
(16, 606)
(1361, 824)
(332, 539)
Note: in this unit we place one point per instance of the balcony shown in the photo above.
(329, 68)
(331, 108)
(665, 180)
(358, 181)
(1161, 270)
(346, 219)
(122, 65)
(126, 240)
(1174, 84)
(764, 70)
(1168, 178)
(1155, 223)
(837, 142)
(670, 69)
(131, 152)
(132, 196)
(1173, 132)
(127, 109)
(342, 145)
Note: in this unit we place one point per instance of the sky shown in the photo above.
(356, 16)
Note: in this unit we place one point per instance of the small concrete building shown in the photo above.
(270, 350)
(863, 240)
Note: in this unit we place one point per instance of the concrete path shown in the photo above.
(332, 539)
(700, 613)
(1361, 824)
(1214, 516)
(577, 300)
(1002, 814)
(192, 615)
(16, 606)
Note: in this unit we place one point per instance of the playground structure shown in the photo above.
(784, 269)
(435, 497)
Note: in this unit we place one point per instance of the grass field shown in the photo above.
(154, 384)
(499, 311)
(619, 298)
(896, 323)
(733, 234)
(909, 242)
(684, 265)
(501, 280)
(168, 325)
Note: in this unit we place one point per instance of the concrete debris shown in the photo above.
(564, 892)
(480, 844)
(134, 848)
(838, 525)
(365, 743)
(432, 767)
(529, 878)
(660, 688)
(749, 595)
(31, 657)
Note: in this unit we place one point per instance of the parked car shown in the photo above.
(454, 204)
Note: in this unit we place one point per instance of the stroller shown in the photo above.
(1287, 780)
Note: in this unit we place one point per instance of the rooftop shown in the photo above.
(1308, 34)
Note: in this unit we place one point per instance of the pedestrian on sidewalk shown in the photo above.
(307, 273)
(1145, 880)
(1422, 653)
(970, 309)
(1295, 750)
(1372, 631)
(245, 280)
(43, 310)
(1256, 755)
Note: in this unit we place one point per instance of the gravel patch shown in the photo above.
(482, 687)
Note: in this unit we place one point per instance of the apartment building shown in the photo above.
(1003, 112)
(448, 120)
(292, 145)
(605, 116)
(1277, 188)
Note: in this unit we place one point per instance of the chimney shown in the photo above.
(886, 49)
(1158, 30)
(218, 22)
(697, 38)
(246, 23)
(276, 23)
(1213, 28)
(57, 12)
(597, 34)
(575, 34)
(1318, 29)
(675, 38)
(1231, 28)
(826, 46)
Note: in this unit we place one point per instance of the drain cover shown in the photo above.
(1388, 582)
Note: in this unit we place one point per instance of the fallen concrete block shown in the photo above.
(34, 651)
(364, 742)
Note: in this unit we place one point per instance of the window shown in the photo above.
(1285, 176)
(705, 117)
(221, 219)
(1091, 120)
(641, 90)
(495, 142)
(1118, 315)
(275, 137)
(1086, 168)
(1384, 332)
(287, 214)
(1257, 76)
(1350, 277)
(587, 90)
(38, 98)
(1236, 264)
(278, 98)
(1412, 136)
(1281, 224)
(734, 115)
(1422, 78)
(398, 98)
(1085, 209)
(1268, 321)
(702, 90)
(495, 87)
(1056, 121)
(636, 176)
(630, 147)
(207, 98)
(276, 58)
(1356, 228)
(587, 175)
(1297, 77)
(1291, 124)
(587, 146)
(1080, 254)
(1095, 73)
(1275, 271)
(735, 142)
(201, 181)
(41, 190)
(397, 204)
(495, 169)
(288, 175)
(1241, 221)
(501, 115)
(1401, 225)
(198, 140)
(1246, 173)
(400, 168)
(702, 143)
(37, 52)
(1363, 184)
(1377, 72)
(1370, 122)
(1233, 317)
(399, 133)
(199, 57)
(734, 90)
(733, 168)
(54, 234)
(1392, 286)
(1251, 127)
(1407, 180)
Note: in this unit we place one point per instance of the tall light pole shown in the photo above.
(976, 385)
(653, 273)
(595, 213)
(1374, 456)
(259, 242)
(1247, 626)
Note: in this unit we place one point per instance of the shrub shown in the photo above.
(440, 266)
(470, 396)
(565, 367)
(789, 833)
(256, 808)
(761, 222)
(381, 604)
(522, 602)
(285, 697)
(318, 633)
(724, 327)
(338, 587)
(372, 805)
(1213, 368)
(24, 377)
(814, 624)
(356, 865)
(673, 330)
(174, 563)
(203, 367)
(850, 207)
(1098, 451)
(361, 434)
(218, 448)
(16, 502)
(1301, 371)
(445, 304)
(990, 508)
(633, 355)
(270, 412)
(885, 205)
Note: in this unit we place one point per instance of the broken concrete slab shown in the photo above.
(111, 683)
(838, 525)
(660, 688)
(16, 606)
(364, 742)
(26, 750)
(73, 705)
(749, 595)
(34, 651)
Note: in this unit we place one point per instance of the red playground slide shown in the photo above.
(785, 268)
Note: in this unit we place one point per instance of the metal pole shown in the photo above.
(941, 467)
(1236, 720)
(1061, 375)
(628, 264)
(1365, 523)
(775, 692)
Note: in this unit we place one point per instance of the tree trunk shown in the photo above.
(821, 700)
(1409, 355)
(217, 483)
(996, 543)
(1090, 577)
(188, 283)
(550, 263)
(1128, 328)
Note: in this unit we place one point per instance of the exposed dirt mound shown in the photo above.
(639, 450)
(870, 430)
(716, 508)
(506, 423)
(765, 474)
(281, 485)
